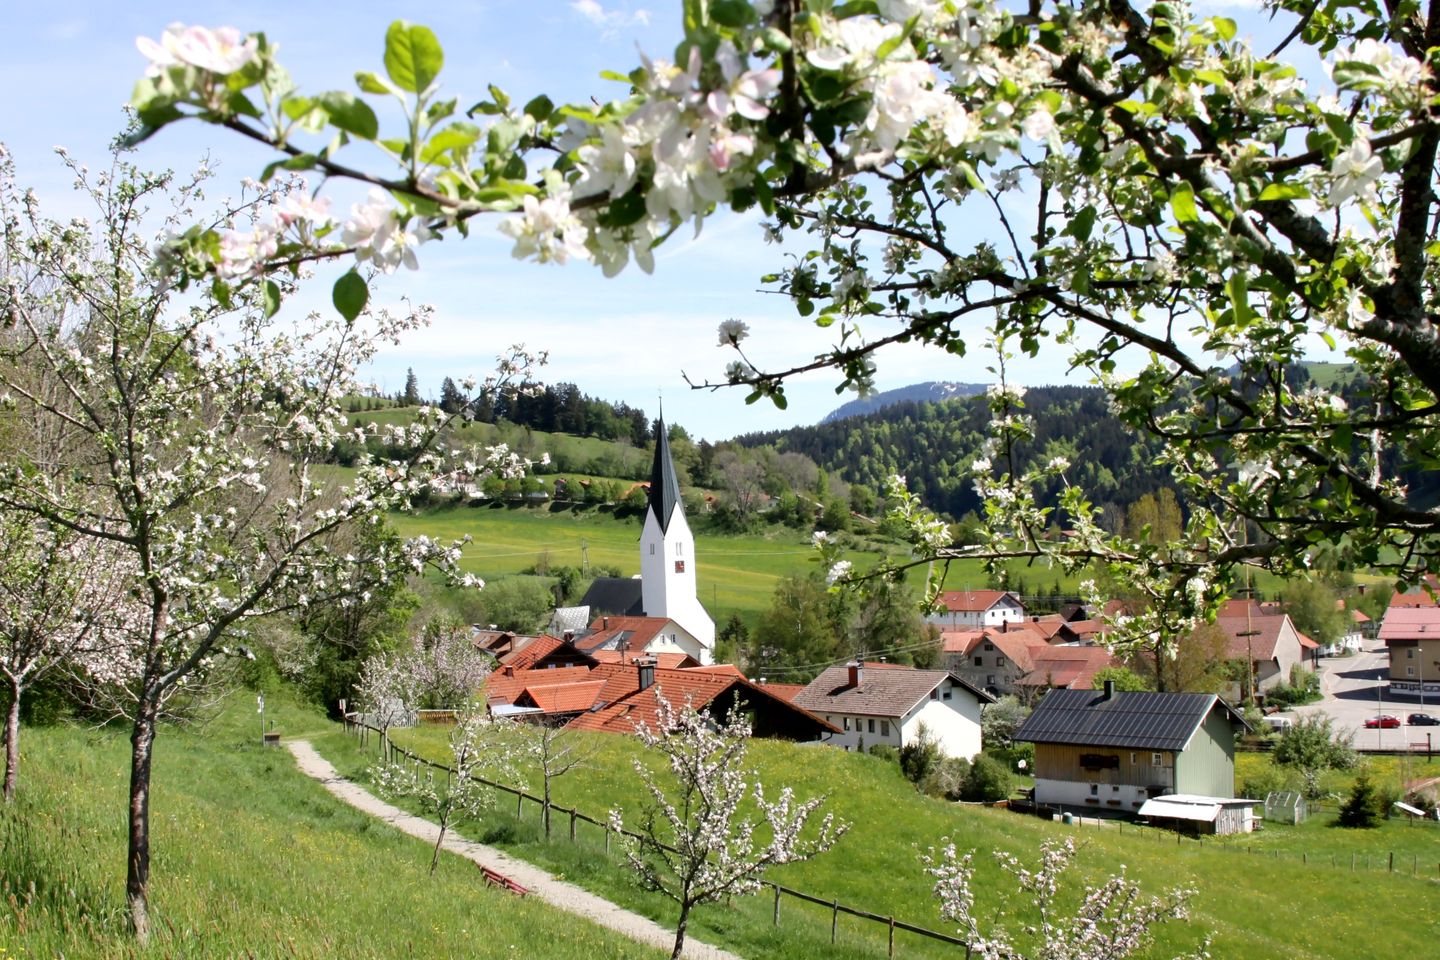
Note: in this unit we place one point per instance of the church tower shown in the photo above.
(667, 553)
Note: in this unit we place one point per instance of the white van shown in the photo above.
(1279, 724)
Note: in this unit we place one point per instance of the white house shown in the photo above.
(884, 703)
(977, 608)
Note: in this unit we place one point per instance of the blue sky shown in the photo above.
(70, 68)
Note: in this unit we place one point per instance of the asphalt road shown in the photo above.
(1355, 689)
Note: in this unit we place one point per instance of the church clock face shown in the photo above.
(679, 566)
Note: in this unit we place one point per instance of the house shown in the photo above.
(976, 608)
(878, 703)
(643, 635)
(1063, 668)
(1113, 751)
(615, 697)
(1269, 642)
(1412, 636)
(989, 659)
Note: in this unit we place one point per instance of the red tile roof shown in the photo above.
(1071, 668)
(504, 687)
(606, 631)
(973, 601)
(622, 707)
(1266, 629)
(785, 691)
(526, 656)
(561, 697)
(673, 661)
(1410, 623)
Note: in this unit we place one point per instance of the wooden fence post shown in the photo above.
(572, 824)
(518, 797)
(777, 904)
(834, 919)
(891, 952)
(1392, 862)
(607, 839)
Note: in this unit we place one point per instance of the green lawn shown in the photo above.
(1253, 903)
(735, 573)
(251, 859)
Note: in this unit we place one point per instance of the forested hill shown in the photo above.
(933, 444)
(934, 390)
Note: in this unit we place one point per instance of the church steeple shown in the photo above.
(664, 485)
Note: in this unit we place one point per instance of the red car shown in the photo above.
(1384, 721)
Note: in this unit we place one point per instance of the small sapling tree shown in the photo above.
(695, 846)
(556, 752)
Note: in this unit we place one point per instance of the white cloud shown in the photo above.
(610, 20)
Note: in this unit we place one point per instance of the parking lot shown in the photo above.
(1355, 688)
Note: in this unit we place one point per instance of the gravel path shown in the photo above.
(558, 893)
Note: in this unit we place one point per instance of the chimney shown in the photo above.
(645, 670)
(856, 672)
(761, 681)
(509, 670)
(1109, 690)
(604, 623)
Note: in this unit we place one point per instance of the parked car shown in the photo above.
(1423, 720)
(1385, 721)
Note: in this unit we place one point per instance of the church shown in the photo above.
(659, 611)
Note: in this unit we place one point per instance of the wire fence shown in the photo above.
(392, 752)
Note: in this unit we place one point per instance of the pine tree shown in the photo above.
(411, 396)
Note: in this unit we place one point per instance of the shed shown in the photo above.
(1190, 813)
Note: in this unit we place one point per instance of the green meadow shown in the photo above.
(251, 859)
(1281, 893)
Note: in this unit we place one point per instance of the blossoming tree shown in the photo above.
(696, 845)
(1186, 214)
(1112, 921)
(193, 431)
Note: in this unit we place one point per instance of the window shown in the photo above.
(947, 693)
(1157, 759)
(884, 728)
(652, 549)
(935, 694)
(679, 566)
(979, 661)
(1094, 789)
(872, 724)
(679, 549)
(990, 680)
(989, 646)
(1409, 671)
(999, 661)
(1132, 753)
(1410, 654)
(846, 722)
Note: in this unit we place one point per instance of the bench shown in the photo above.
(497, 879)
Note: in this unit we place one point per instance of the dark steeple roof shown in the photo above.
(664, 485)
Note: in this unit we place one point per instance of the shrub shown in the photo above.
(1311, 744)
(1259, 785)
(987, 781)
(885, 752)
(919, 757)
(947, 779)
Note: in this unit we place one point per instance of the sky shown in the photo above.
(632, 338)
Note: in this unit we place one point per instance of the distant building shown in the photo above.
(880, 703)
(1412, 636)
(1269, 642)
(976, 608)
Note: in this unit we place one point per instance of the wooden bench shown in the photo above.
(497, 879)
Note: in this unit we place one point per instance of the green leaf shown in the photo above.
(413, 57)
(1224, 27)
(372, 83)
(351, 114)
(1082, 224)
(1182, 203)
(825, 320)
(350, 295)
(1283, 191)
(731, 13)
(1238, 287)
(540, 108)
(271, 294)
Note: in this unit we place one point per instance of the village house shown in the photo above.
(1019, 659)
(976, 608)
(1412, 637)
(1269, 642)
(879, 703)
(1113, 751)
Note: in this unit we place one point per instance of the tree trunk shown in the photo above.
(680, 931)
(545, 809)
(12, 740)
(137, 876)
(439, 841)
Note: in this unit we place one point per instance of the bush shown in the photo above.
(885, 752)
(987, 781)
(947, 779)
(1012, 756)
(1311, 744)
(1258, 786)
(919, 757)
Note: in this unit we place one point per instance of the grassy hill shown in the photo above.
(1257, 905)
(252, 859)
